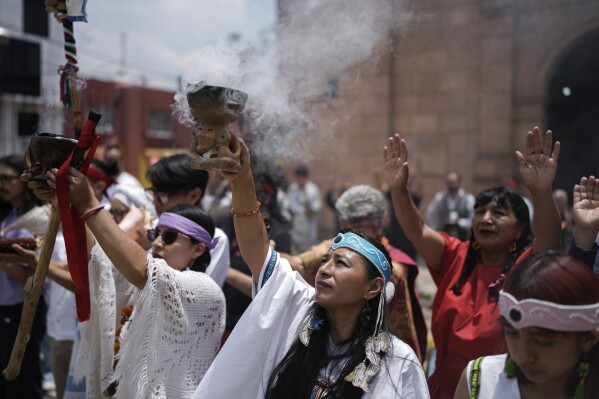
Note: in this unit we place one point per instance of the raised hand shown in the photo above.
(585, 209)
(395, 155)
(233, 174)
(537, 168)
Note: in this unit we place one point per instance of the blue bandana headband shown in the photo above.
(187, 227)
(366, 249)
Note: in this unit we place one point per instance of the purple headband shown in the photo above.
(187, 227)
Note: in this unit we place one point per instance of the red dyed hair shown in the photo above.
(554, 277)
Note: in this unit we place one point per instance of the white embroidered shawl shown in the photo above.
(178, 321)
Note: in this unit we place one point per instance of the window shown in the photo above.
(28, 123)
(159, 126)
(35, 17)
(20, 68)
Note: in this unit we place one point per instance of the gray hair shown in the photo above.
(361, 201)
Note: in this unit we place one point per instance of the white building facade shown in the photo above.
(31, 52)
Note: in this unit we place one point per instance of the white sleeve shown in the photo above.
(262, 336)
(220, 258)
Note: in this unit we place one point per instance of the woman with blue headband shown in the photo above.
(168, 337)
(296, 341)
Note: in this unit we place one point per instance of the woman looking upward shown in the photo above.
(296, 341)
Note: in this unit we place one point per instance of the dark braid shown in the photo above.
(506, 199)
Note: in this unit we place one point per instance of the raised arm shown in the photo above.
(429, 244)
(250, 230)
(585, 212)
(537, 171)
(124, 253)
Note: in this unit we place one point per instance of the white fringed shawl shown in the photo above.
(178, 321)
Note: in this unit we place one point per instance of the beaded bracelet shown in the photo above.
(245, 214)
(91, 212)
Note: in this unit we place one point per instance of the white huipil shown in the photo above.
(271, 324)
(174, 335)
(494, 383)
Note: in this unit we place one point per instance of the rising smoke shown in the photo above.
(287, 73)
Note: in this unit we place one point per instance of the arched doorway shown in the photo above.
(572, 110)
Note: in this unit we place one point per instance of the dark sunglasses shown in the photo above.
(168, 236)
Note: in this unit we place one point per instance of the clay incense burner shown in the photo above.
(47, 151)
(216, 110)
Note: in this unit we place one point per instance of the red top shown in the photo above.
(464, 327)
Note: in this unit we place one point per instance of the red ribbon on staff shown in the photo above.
(73, 226)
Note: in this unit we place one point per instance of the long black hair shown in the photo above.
(173, 174)
(196, 215)
(295, 376)
(505, 199)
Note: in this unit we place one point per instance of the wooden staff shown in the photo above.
(33, 290)
(33, 287)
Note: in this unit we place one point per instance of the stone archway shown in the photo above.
(572, 109)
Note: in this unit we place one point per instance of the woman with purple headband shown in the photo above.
(171, 333)
(549, 310)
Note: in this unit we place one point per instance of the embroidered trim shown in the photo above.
(270, 267)
(475, 378)
(319, 389)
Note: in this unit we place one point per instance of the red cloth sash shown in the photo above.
(73, 227)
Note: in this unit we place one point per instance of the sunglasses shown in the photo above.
(168, 236)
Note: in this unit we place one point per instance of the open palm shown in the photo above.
(395, 155)
(585, 209)
(537, 168)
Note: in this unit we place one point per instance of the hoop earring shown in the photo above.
(513, 247)
(582, 371)
(475, 245)
(365, 316)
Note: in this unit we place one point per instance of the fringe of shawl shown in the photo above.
(137, 342)
(95, 358)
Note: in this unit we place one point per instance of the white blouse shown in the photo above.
(174, 335)
(271, 324)
(494, 383)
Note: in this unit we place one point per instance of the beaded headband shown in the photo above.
(549, 315)
(366, 249)
(380, 340)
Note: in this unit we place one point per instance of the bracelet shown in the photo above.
(91, 212)
(245, 214)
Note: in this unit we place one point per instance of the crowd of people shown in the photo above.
(230, 294)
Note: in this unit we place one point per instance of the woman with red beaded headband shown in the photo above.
(295, 341)
(549, 308)
(470, 274)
